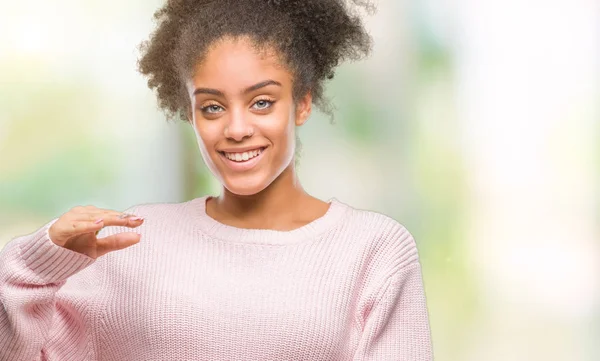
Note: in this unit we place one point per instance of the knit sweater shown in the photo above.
(346, 286)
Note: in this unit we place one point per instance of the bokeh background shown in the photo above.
(475, 124)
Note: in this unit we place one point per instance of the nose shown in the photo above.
(238, 127)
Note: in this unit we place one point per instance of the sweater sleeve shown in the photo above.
(32, 270)
(397, 327)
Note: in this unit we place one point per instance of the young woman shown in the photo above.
(263, 271)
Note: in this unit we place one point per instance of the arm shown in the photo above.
(32, 270)
(397, 327)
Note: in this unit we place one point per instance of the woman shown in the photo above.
(264, 271)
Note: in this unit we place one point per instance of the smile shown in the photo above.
(242, 161)
(242, 157)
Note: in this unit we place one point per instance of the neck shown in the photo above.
(280, 200)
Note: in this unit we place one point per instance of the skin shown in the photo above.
(268, 196)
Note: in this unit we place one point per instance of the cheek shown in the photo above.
(209, 131)
(282, 127)
(276, 130)
(206, 138)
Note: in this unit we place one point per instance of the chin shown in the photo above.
(243, 192)
(245, 186)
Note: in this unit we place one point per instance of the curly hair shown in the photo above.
(311, 37)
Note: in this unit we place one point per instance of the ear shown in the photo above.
(303, 108)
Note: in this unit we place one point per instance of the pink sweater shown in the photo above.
(346, 286)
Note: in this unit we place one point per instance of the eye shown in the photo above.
(262, 104)
(211, 108)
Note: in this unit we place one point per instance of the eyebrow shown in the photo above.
(252, 88)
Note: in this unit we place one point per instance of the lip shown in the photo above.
(247, 165)
(242, 150)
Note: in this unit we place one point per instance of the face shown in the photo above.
(244, 115)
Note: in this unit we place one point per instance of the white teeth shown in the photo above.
(238, 157)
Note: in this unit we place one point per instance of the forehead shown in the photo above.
(237, 62)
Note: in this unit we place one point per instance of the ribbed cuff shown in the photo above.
(51, 262)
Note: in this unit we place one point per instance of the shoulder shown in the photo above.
(386, 240)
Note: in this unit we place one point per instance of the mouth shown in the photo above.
(243, 161)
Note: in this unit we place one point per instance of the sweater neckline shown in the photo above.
(311, 230)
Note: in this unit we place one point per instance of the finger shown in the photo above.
(116, 242)
(111, 218)
(94, 214)
(127, 221)
(87, 209)
(80, 227)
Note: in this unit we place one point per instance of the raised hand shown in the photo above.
(77, 230)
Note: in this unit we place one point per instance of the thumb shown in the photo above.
(116, 242)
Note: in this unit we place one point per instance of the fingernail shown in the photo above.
(98, 220)
(136, 218)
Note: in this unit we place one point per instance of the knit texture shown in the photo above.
(347, 286)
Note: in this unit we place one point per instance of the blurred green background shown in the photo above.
(474, 124)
